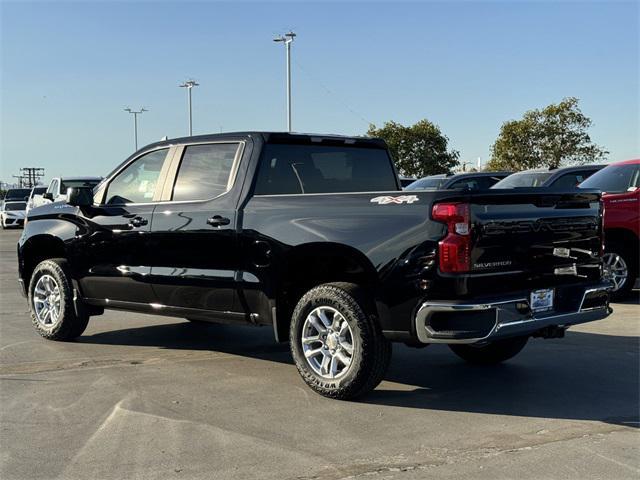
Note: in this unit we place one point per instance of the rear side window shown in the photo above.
(615, 179)
(296, 169)
(469, 184)
(53, 188)
(137, 182)
(205, 171)
(569, 180)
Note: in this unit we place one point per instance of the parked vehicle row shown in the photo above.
(313, 236)
(559, 178)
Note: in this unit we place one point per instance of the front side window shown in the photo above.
(296, 169)
(137, 182)
(205, 171)
(615, 178)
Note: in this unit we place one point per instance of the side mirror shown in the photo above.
(80, 196)
(48, 196)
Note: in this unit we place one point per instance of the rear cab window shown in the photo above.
(308, 168)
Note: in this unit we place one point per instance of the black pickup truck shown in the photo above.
(313, 236)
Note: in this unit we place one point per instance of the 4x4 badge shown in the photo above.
(386, 200)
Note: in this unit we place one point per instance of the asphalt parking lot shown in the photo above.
(139, 396)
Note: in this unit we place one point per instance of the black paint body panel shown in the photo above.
(178, 264)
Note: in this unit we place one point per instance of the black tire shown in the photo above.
(371, 352)
(69, 325)
(491, 353)
(630, 257)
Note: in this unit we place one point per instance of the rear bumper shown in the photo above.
(452, 322)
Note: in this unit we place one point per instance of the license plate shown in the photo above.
(541, 300)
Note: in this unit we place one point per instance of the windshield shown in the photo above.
(12, 206)
(299, 169)
(615, 179)
(18, 193)
(38, 191)
(427, 183)
(77, 183)
(523, 180)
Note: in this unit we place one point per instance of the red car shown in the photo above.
(620, 184)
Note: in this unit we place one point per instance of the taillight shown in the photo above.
(455, 248)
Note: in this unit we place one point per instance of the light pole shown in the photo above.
(189, 84)
(287, 39)
(135, 122)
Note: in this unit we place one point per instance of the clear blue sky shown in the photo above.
(68, 69)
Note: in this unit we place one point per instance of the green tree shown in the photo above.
(551, 137)
(418, 150)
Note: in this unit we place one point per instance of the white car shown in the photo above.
(57, 190)
(12, 213)
(35, 198)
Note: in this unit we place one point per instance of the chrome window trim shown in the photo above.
(179, 149)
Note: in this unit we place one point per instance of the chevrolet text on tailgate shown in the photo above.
(313, 236)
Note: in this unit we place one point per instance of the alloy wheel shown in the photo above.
(327, 342)
(616, 269)
(47, 301)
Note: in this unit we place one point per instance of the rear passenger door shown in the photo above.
(194, 231)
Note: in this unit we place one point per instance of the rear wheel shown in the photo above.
(51, 302)
(491, 353)
(336, 342)
(621, 267)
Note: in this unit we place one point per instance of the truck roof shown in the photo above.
(274, 136)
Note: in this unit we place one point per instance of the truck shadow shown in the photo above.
(584, 376)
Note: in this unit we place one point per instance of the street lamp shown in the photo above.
(189, 84)
(135, 122)
(287, 39)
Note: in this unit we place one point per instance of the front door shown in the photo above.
(116, 260)
(194, 233)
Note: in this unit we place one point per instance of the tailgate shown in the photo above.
(555, 236)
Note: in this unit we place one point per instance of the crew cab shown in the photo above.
(620, 184)
(312, 236)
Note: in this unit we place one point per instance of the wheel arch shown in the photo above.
(35, 250)
(312, 264)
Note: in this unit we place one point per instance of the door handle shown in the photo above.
(218, 221)
(138, 221)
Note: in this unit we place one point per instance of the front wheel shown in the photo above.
(51, 302)
(336, 342)
(491, 353)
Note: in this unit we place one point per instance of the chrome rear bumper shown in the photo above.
(503, 317)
